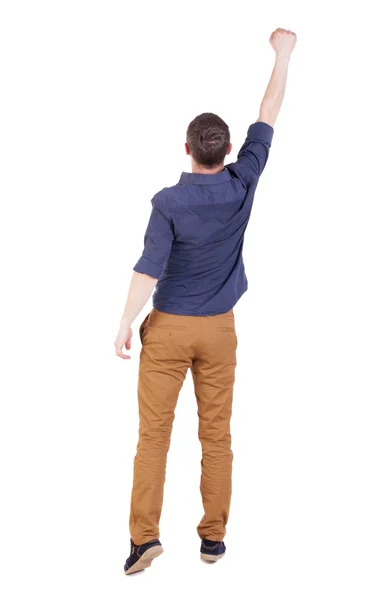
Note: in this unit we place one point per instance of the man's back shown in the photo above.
(194, 240)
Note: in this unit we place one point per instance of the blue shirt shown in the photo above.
(194, 239)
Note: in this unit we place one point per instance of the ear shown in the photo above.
(229, 148)
(186, 147)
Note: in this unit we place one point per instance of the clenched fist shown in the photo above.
(283, 41)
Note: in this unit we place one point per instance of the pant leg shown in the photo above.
(164, 361)
(213, 374)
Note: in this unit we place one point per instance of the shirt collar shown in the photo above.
(203, 178)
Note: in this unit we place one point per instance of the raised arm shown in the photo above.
(253, 155)
(283, 42)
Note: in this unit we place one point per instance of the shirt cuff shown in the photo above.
(148, 267)
(261, 132)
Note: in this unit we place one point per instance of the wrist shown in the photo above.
(282, 58)
(126, 321)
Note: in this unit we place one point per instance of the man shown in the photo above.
(193, 251)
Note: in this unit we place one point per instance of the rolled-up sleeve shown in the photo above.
(254, 152)
(157, 242)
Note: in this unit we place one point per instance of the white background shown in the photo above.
(96, 98)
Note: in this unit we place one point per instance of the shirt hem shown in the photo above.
(189, 313)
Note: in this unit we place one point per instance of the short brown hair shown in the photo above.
(208, 137)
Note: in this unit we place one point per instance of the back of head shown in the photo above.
(208, 137)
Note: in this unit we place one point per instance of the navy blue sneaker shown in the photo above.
(141, 556)
(212, 551)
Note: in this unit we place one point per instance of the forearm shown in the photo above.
(272, 100)
(140, 290)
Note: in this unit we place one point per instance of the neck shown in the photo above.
(205, 170)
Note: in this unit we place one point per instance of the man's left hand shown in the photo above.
(123, 340)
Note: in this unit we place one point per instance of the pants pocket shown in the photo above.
(142, 328)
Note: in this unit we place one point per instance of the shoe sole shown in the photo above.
(211, 557)
(145, 560)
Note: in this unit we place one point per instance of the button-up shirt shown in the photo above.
(194, 239)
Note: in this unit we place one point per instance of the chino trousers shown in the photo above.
(172, 344)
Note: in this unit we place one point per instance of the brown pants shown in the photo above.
(170, 345)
